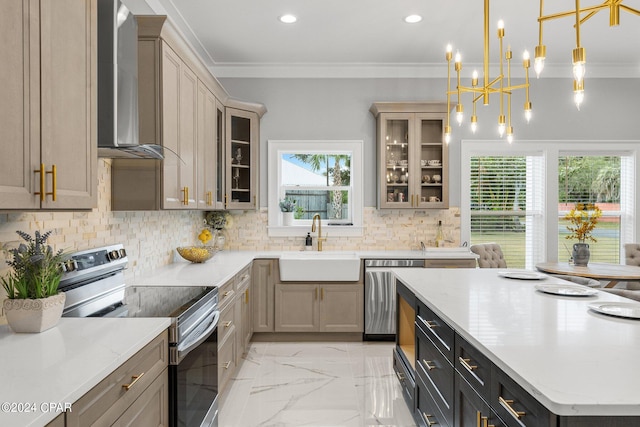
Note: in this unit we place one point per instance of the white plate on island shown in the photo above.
(567, 290)
(629, 310)
(522, 275)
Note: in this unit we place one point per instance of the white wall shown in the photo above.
(339, 109)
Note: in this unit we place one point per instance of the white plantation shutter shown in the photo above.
(506, 206)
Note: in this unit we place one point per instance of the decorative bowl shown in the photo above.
(196, 254)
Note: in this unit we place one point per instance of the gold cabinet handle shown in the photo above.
(226, 294)
(316, 293)
(54, 182)
(43, 185)
(226, 200)
(506, 403)
(428, 364)
(226, 365)
(321, 293)
(400, 376)
(228, 323)
(485, 422)
(135, 379)
(209, 198)
(42, 181)
(185, 197)
(429, 422)
(412, 200)
(466, 363)
(246, 296)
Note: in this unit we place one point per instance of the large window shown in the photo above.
(520, 194)
(320, 177)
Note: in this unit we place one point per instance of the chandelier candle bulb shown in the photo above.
(500, 85)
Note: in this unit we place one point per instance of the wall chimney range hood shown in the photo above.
(118, 126)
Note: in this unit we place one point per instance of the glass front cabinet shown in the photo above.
(413, 160)
(242, 155)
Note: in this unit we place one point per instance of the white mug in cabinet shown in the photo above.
(434, 199)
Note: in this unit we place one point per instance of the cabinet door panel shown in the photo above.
(19, 109)
(68, 43)
(341, 308)
(296, 308)
(187, 135)
(471, 410)
(170, 128)
(263, 294)
(515, 406)
(437, 374)
(206, 148)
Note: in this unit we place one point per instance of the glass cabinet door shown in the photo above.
(220, 175)
(241, 158)
(396, 161)
(432, 157)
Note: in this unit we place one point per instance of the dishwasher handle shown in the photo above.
(370, 264)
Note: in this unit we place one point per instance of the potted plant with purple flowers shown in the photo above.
(33, 302)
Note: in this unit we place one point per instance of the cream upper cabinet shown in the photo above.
(242, 151)
(210, 172)
(48, 110)
(413, 160)
(179, 107)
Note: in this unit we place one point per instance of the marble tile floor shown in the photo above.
(329, 384)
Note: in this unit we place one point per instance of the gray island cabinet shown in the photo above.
(476, 349)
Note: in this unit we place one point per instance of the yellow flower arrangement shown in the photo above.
(583, 219)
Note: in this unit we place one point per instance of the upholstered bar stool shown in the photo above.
(490, 255)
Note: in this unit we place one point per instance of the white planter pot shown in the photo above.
(287, 218)
(34, 315)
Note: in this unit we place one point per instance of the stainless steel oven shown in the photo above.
(94, 284)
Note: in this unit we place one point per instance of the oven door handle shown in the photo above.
(185, 347)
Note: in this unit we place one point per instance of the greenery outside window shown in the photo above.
(322, 177)
(521, 192)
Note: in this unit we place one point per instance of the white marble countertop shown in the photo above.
(573, 360)
(61, 364)
(226, 264)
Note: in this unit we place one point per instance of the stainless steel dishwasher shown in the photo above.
(380, 296)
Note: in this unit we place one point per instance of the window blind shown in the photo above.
(506, 205)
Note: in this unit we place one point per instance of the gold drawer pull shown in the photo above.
(485, 422)
(466, 363)
(227, 324)
(400, 376)
(507, 405)
(428, 364)
(135, 379)
(226, 294)
(246, 296)
(429, 422)
(226, 365)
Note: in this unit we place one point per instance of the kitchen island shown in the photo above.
(578, 364)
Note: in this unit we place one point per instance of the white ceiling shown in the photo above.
(361, 38)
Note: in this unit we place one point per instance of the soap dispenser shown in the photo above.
(308, 242)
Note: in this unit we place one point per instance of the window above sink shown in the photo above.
(322, 177)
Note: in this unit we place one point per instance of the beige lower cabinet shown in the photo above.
(136, 393)
(319, 307)
(235, 327)
(263, 284)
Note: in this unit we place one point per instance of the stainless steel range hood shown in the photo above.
(118, 129)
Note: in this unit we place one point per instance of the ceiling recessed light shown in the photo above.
(412, 19)
(288, 19)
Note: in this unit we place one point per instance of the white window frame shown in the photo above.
(276, 148)
(551, 150)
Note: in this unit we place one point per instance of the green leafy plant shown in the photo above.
(36, 268)
(298, 212)
(287, 204)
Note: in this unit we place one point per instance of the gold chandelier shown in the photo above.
(497, 85)
(579, 55)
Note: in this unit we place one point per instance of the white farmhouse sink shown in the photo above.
(319, 267)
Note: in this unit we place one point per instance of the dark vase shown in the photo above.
(581, 254)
